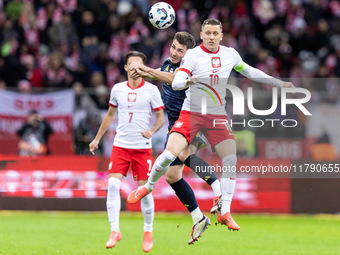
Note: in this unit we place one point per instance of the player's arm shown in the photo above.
(156, 126)
(257, 75)
(183, 77)
(148, 72)
(157, 74)
(108, 119)
(182, 80)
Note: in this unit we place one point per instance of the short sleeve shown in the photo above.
(113, 100)
(156, 99)
(187, 64)
(237, 58)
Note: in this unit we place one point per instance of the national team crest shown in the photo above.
(216, 62)
(178, 124)
(132, 97)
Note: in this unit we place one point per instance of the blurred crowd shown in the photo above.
(80, 44)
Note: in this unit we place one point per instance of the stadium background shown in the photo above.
(62, 57)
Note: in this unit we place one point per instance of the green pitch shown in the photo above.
(86, 233)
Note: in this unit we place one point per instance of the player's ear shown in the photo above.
(126, 68)
(201, 35)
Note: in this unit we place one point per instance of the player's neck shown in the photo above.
(135, 83)
(209, 49)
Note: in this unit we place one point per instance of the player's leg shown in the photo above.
(186, 195)
(148, 211)
(113, 208)
(183, 191)
(179, 138)
(227, 152)
(118, 167)
(176, 143)
(197, 164)
(141, 166)
(222, 141)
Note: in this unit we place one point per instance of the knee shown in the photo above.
(172, 178)
(183, 156)
(172, 150)
(229, 162)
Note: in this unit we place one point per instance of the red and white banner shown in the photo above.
(54, 103)
(56, 107)
(86, 177)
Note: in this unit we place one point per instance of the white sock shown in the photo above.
(148, 210)
(228, 187)
(159, 168)
(113, 203)
(196, 215)
(228, 182)
(216, 187)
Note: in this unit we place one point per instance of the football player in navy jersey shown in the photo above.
(173, 100)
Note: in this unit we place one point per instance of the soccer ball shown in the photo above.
(161, 15)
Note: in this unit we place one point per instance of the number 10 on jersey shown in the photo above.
(214, 79)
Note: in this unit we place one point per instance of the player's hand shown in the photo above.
(134, 74)
(140, 73)
(93, 146)
(139, 70)
(139, 66)
(288, 85)
(192, 80)
(147, 134)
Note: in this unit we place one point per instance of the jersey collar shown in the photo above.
(140, 85)
(208, 51)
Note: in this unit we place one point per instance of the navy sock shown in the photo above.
(195, 163)
(185, 193)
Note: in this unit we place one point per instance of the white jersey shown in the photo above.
(135, 107)
(212, 69)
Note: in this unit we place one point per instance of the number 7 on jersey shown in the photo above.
(131, 114)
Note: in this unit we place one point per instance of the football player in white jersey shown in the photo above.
(213, 62)
(134, 100)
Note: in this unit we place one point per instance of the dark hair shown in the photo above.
(186, 39)
(212, 22)
(135, 54)
(33, 112)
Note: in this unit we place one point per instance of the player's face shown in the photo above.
(177, 52)
(33, 119)
(128, 63)
(211, 37)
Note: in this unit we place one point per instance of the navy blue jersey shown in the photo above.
(172, 99)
